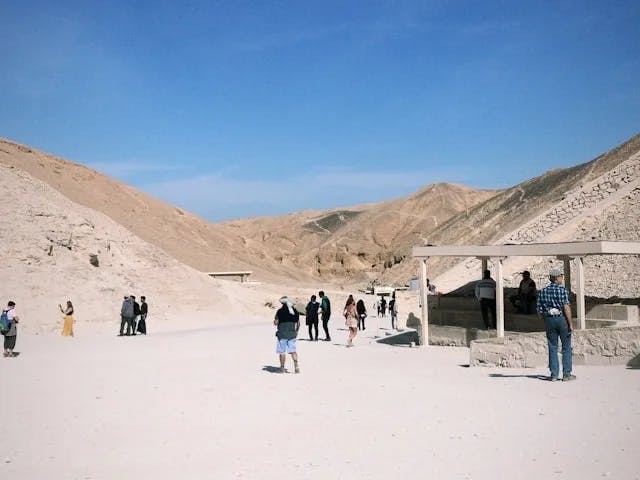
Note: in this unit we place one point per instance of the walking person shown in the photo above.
(554, 306)
(9, 326)
(311, 318)
(287, 321)
(144, 309)
(136, 314)
(351, 319)
(362, 314)
(383, 306)
(126, 315)
(486, 295)
(325, 307)
(67, 326)
(393, 311)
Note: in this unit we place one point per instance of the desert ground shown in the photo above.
(197, 398)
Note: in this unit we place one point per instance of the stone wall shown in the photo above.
(605, 346)
(622, 179)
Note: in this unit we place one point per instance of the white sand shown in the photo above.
(192, 401)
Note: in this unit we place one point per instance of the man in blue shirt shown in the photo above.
(555, 308)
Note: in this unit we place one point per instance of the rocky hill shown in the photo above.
(359, 244)
(373, 242)
(352, 244)
(54, 250)
(597, 200)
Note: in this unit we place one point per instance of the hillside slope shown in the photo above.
(356, 243)
(46, 251)
(561, 205)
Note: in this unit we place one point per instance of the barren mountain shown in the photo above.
(53, 250)
(356, 243)
(598, 200)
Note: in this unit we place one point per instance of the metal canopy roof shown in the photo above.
(572, 249)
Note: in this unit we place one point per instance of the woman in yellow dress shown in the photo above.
(67, 328)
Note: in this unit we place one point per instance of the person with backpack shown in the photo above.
(325, 306)
(287, 322)
(8, 327)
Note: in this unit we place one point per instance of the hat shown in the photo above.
(284, 300)
(526, 272)
(555, 272)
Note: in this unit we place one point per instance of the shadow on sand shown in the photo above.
(271, 369)
(533, 377)
(14, 354)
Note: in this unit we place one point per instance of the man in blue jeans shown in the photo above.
(554, 307)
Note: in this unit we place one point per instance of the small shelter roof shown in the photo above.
(572, 249)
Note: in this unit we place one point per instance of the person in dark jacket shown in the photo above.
(126, 315)
(312, 318)
(287, 321)
(362, 314)
(325, 307)
(136, 314)
(144, 309)
(383, 306)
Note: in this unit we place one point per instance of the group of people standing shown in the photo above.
(287, 322)
(133, 315)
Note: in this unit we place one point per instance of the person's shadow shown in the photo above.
(271, 369)
(533, 377)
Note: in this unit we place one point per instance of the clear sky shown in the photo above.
(242, 108)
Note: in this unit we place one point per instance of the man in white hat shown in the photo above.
(555, 308)
(288, 322)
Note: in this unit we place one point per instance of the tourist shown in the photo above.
(525, 300)
(393, 311)
(431, 288)
(67, 326)
(362, 314)
(10, 320)
(486, 294)
(287, 321)
(351, 319)
(554, 306)
(136, 314)
(383, 306)
(144, 310)
(311, 318)
(325, 307)
(378, 307)
(126, 315)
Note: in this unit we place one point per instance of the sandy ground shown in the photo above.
(193, 400)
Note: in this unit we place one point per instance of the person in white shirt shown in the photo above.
(486, 294)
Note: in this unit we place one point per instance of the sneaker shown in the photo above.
(553, 379)
(297, 370)
(569, 377)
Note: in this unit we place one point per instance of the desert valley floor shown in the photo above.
(197, 399)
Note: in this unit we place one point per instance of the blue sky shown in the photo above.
(243, 108)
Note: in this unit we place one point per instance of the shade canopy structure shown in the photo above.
(565, 251)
